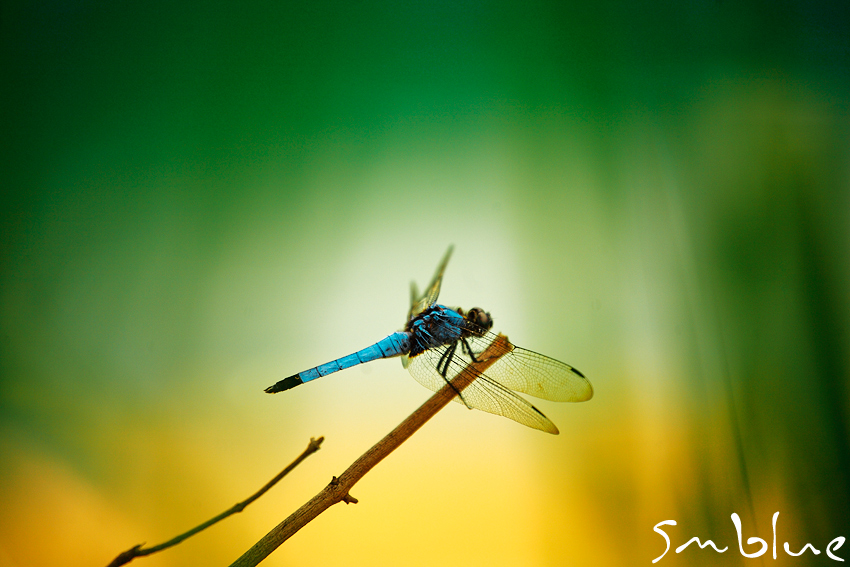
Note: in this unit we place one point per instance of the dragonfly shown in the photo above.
(439, 342)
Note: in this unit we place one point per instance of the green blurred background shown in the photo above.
(203, 199)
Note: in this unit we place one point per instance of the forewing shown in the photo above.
(418, 303)
(534, 374)
(483, 393)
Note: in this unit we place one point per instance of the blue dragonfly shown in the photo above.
(439, 342)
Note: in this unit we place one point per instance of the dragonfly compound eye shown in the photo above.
(480, 318)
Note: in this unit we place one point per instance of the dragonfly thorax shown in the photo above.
(439, 325)
(436, 326)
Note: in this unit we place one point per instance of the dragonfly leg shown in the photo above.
(468, 350)
(443, 370)
(443, 363)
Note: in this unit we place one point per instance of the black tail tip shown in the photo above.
(284, 384)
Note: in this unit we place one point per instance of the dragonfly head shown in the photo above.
(480, 318)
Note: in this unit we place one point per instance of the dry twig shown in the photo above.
(337, 490)
(139, 551)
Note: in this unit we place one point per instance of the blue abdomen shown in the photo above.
(393, 345)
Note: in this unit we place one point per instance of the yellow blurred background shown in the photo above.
(201, 201)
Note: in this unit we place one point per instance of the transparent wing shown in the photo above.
(483, 393)
(534, 374)
(419, 303)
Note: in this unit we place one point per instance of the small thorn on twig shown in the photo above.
(349, 499)
(334, 481)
